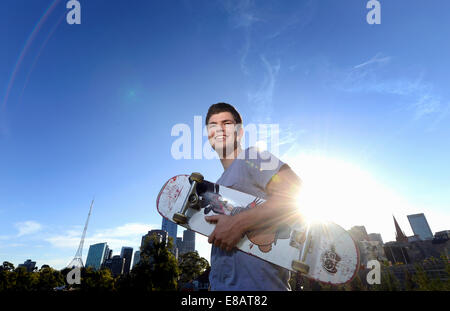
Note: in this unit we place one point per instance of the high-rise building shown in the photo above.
(160, 235)
(126, 253)
(179, 244)
(115, 264)
(171, 229)
(369, 250)
(96, 255)
(375, 237)
(420, 227)
(29, 265)
(108, 254)
(359, 233)
(136, 258)
(188, 241)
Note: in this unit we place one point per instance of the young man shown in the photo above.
(243, 170)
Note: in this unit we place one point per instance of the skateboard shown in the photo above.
(323, 252)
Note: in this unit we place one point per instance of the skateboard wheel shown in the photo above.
(179, 218)
(196, 177)
(299, 266)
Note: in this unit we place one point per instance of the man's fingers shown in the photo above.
(211, 238)
(212, 219)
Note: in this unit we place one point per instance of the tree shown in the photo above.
(409, 282)
(388, 282)
(7, 266)
(163, 264)
(49, 279)
(96, 281)
(24, 280)
(157, 270)
(191, 266)
(356, 284)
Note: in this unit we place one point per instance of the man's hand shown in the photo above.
(227, 233)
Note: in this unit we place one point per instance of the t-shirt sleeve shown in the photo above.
(262, 166)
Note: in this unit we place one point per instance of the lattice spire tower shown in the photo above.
(77, 261)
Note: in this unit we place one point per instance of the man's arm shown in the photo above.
(280, 206)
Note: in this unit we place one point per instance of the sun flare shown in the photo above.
(341, 192)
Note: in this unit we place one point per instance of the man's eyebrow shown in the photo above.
(223, 121)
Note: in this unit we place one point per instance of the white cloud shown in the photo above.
(27, 227)
(262, 98)
(129, 234)
(376, 59)
(420, 97)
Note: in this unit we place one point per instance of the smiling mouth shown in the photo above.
(220, 137)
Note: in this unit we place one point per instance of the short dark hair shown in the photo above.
(223, 107)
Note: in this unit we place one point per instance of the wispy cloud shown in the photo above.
(242, 13)
(125, 235)
(27, 227)
(374, 60)
(262, 97)
(263, 25)
(419, 97)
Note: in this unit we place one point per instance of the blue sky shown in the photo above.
(363, 110)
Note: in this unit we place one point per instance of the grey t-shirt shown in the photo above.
(237, 270)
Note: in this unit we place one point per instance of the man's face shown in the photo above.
(222, 134)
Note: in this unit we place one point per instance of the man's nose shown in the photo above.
(222, 128)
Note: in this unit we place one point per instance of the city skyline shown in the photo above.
(376, 236)
(360, 111)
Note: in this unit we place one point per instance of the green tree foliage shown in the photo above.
(19, 279)
(356, 284)
(388, 282)
(409, 282)
(156, 271)
(96, 281)
(191, 266)
(48, 279)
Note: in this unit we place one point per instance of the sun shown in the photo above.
(335, 190)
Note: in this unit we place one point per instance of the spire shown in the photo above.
(399, 234)
(77, 261)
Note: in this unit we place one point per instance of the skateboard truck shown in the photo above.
(192, 199)
(300, 265)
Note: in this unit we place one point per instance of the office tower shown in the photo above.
(359, 233)
(136, 258)
(126, 253)
(108, 254)
(171, 229)
(160, 235)
(29, 265)
(375, 237)
(420, 227)
(115, 264)
(179, 244)
(96, 255)
(188, 241)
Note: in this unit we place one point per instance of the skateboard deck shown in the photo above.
(322, 252)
